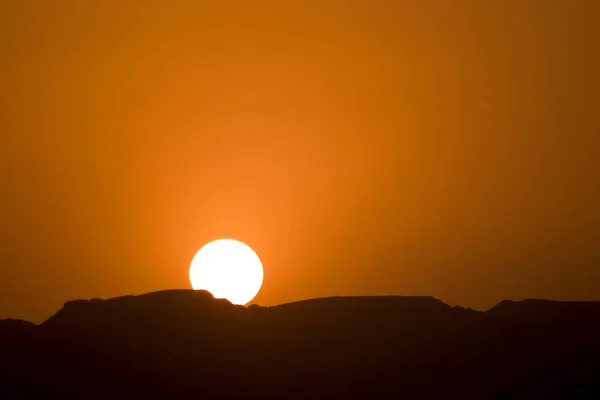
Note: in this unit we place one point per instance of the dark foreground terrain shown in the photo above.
(185, 344)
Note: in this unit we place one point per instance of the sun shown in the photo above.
(228, 269)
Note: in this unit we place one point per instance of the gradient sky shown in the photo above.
(444, 148)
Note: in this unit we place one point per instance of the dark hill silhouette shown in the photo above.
(186, 344)
(15, 328)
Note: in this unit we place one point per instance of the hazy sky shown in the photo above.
(444, 148)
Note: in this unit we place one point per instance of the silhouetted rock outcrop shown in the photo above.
(186, 344)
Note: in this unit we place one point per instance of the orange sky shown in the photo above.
(444, 148)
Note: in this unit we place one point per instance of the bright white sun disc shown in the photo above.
(229, 269)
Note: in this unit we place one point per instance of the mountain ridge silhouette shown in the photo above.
(186, 344)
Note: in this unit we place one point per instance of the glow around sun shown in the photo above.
(228, 269)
